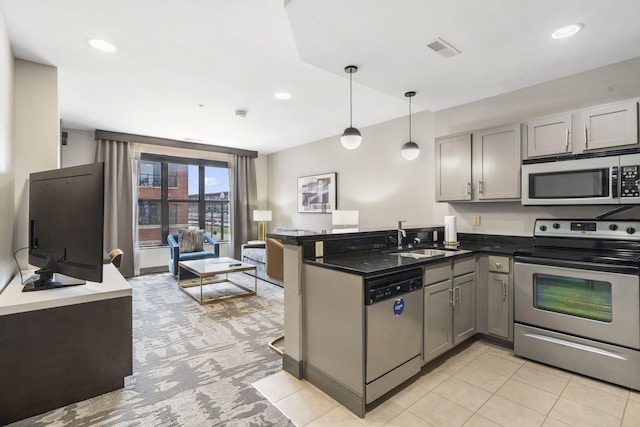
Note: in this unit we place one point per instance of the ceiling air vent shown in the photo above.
(443, 48)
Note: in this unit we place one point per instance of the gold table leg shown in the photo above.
(202, 301)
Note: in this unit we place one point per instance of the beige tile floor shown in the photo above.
(483, 385)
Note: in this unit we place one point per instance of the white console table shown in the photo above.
(64, 345)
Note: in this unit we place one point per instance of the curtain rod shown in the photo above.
(130, 137)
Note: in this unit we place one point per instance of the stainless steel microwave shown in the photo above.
(610, 180)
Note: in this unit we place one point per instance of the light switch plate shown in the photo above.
(476, 220)
(319, 249)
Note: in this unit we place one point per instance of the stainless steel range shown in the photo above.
(577, 298)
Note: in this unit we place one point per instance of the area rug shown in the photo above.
(193, 365)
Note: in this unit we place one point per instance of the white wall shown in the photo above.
(7, 178)
(36, 135)
(80, 148)
(375, 180)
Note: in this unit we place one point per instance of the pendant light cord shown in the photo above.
(351, 99)
(410, 118)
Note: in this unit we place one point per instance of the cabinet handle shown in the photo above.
(468, 188)
(459, 294)
(480, 187)
(566, 144)
(452, 301)
(504, 290)
(498, 266)
(586, 137)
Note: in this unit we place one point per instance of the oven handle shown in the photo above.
(581, 265)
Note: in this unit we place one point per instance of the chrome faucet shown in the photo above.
(401, 233)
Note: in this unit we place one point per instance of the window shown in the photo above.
(176, 193)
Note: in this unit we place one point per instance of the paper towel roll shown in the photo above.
(450, 233)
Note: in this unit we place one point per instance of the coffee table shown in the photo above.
(211, 267)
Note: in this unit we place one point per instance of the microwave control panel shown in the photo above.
(629, 181)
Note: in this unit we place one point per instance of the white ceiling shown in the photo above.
(184, 66)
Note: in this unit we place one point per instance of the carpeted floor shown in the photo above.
(193, 365)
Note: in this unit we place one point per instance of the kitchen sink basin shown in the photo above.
(423, 253)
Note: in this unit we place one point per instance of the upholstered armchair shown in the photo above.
(176, 255)
(268, 259)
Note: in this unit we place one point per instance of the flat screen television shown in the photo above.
(66, 226)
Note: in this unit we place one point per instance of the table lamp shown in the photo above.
(344, 217)
(261, 217)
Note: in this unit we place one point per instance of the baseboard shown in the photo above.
(496, 340)
(344, 395)
(292, 366)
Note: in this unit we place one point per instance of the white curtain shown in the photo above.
(118, 201)
(244, 200)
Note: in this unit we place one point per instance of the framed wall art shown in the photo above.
(317, 193)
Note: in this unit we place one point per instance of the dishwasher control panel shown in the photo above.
(389, 286)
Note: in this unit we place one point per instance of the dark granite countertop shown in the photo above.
(385, 261)
(377, 262)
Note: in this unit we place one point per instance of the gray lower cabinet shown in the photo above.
(449, 305)
(438, 337)
(499, 298)
(464, 307)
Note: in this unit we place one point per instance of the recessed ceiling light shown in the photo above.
(282, 95)
(566, 31)
(102, 45)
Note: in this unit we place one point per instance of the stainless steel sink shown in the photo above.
(423, 253)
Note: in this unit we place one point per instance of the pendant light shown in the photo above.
(351, 137)
(410, 150)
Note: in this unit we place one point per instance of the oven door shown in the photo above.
(586, 303)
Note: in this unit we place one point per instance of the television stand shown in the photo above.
(63, 346)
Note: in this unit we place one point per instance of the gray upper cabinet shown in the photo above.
(549, 136)
(453, 168)
(482, 166)
(610, 126)
(497, 163)
(600, 128)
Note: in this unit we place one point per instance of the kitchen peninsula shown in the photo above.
(358, 321)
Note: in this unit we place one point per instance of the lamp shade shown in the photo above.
(261, 215)
(410, 150)
(344, 217)
(351, 138)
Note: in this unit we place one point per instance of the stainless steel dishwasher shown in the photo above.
(393, 330)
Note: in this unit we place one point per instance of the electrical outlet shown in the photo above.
(476, 220)
(319, 249)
